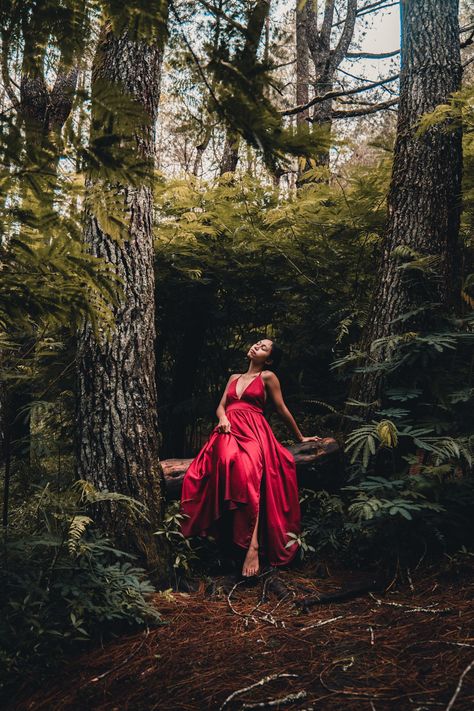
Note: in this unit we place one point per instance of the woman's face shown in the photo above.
(260, 351)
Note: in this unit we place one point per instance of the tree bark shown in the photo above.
(302, 76)
(424, 197)
(246, 63)
(230, 153)
(118, 436)
(326, 60)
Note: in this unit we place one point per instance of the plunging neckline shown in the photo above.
(247, 386)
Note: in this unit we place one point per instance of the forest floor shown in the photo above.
(408, 645)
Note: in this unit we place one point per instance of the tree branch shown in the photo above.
(369, 55)
(254, 28)
(369, 9)
(468, 41)
(336, 94)
(371, 6)
(347, 34)
(374, 108)
(468, 62)
(357, 78)
(220, 13)
(195, 58)
(319, 42)
(327, 20)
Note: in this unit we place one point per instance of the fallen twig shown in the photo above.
(260, 682)
(458, 688)
(307, 602)
(438, 641)
(371, 630)
(277, 702)
(430, 608)
(246, 616)
(264, 616)
(322, 622)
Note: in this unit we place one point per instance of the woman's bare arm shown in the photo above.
(224, 424)
(274, 388)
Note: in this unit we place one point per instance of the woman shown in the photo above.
(244, 473)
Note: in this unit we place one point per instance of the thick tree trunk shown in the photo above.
(424, 197)
(117, 399)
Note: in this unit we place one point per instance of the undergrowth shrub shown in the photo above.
(381, 522)
(64, 583)
(410, 485)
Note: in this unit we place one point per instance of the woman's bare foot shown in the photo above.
(251, 562)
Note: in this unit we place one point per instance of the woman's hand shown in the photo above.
(311, 439)
(224, 425)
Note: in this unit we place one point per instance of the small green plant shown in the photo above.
(380, 497)
(365, 440)
(323, 520)
(182, 548)
(300, 540)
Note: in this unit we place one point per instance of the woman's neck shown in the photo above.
(254, 369)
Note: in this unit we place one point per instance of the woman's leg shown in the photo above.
(251, 562)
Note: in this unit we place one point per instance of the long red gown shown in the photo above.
(234, 471)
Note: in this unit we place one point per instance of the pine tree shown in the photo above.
(118, 436)
(417, 270)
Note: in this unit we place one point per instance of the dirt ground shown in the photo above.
(407, 645)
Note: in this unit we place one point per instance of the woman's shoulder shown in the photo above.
(269, 376)
(233, 376)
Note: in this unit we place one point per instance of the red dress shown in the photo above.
(234, 471)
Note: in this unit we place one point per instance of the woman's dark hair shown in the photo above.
(276, 354)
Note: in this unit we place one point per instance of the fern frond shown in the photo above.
(76, 531)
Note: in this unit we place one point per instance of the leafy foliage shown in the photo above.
(63, 581)
(183, 549)
(237, 258)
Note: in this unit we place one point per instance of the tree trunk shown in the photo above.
(230, 154)
(117, 400)
(327, 60)
(302, 76)
(424, 198)
(246, 64)
(41, 113)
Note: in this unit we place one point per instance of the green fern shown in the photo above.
(77, 529)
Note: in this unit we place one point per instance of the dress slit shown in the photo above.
(257, 517)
